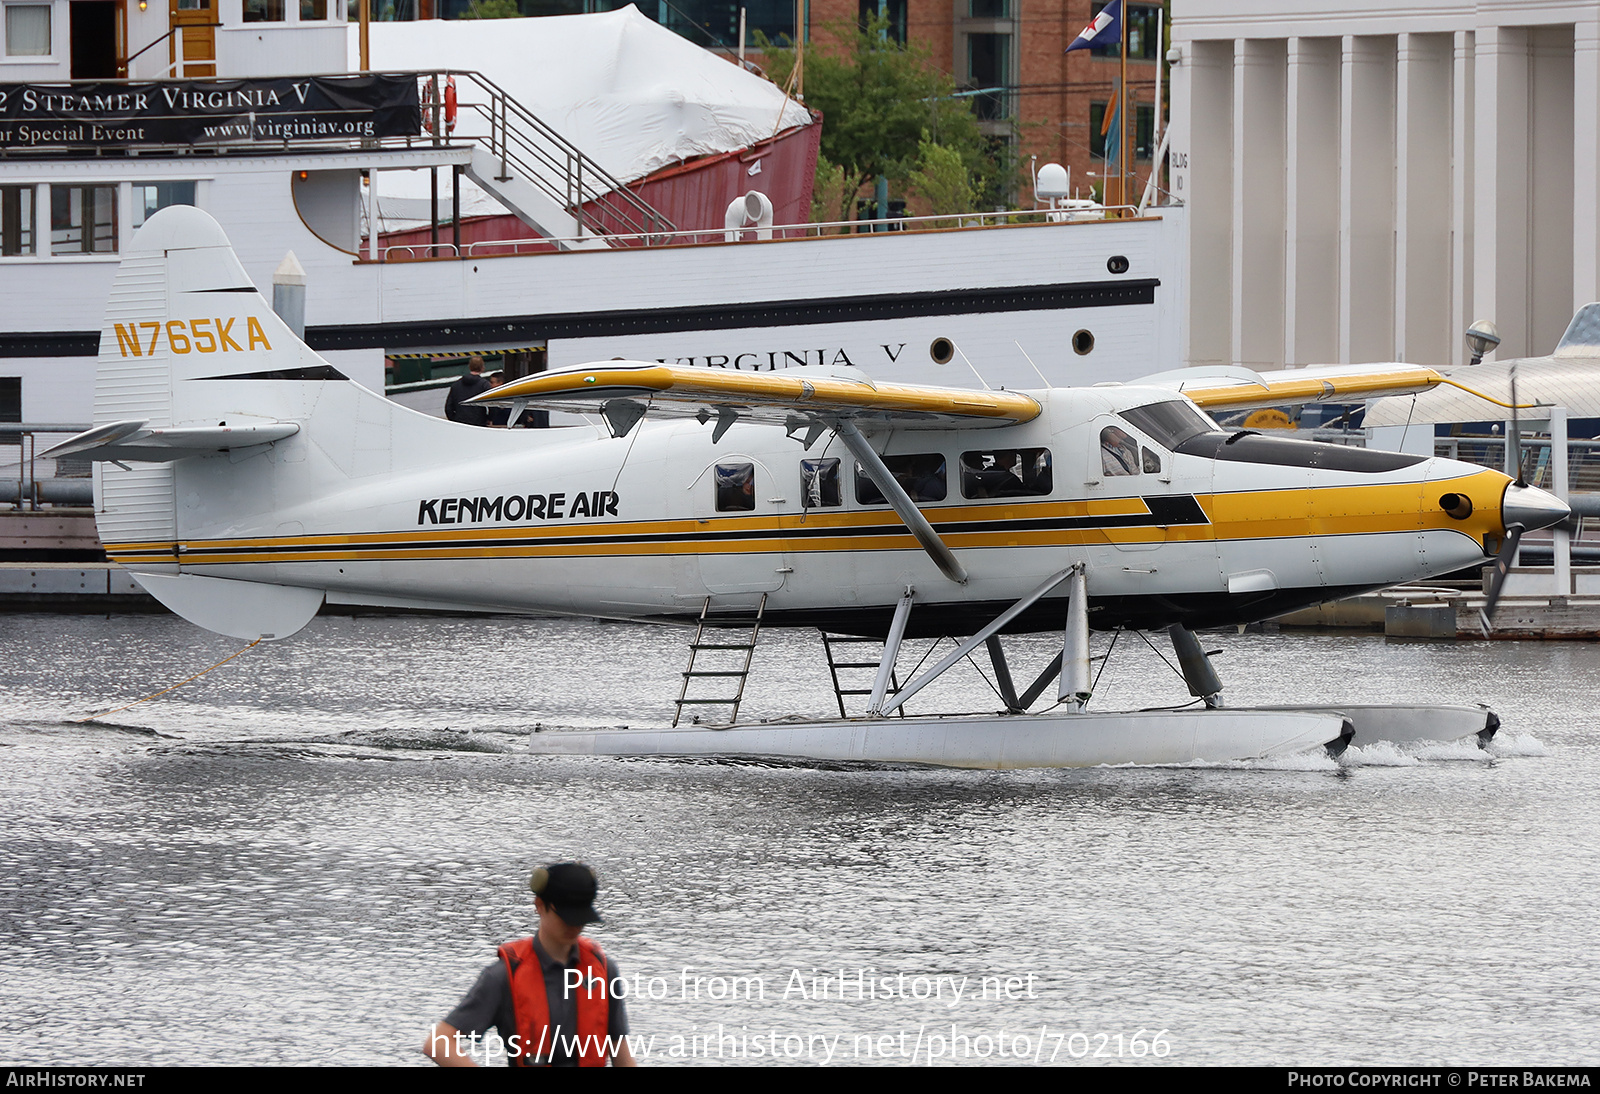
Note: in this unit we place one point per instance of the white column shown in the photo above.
(1500, 232)
(1550, 186)
(1586, 159)
(1259, 70)
(1366, 199)
(41, 219)
(1210, 179)
(1311, 194)
(1422, 199)
(1462, 173)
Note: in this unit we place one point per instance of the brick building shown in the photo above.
(1028, 91)
(1009, 53)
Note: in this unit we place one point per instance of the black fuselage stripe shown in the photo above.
(1049, 524)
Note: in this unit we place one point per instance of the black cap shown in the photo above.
(569, 889)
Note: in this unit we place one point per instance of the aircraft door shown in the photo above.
(1149, 505)
(733, 498)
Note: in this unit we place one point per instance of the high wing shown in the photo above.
(623, 391)
(1231, 388)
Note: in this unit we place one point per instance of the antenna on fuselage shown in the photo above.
(1030, 362)
(943, 351)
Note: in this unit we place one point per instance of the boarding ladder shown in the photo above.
(829, 641)
(741, 673)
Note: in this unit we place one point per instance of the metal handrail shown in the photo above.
(705, 236)
(25, 435)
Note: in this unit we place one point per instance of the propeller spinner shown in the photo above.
(1524, 508)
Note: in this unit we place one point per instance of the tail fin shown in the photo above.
(183, 309)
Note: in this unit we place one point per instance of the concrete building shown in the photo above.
(1364, 181)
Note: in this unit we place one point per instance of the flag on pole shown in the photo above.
(1105, 30)
(1111, 127)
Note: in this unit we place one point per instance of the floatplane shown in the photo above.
(241, 479)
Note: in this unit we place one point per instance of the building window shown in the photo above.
(313, 11)
(989, 70)
(264, 11)
(1142, 43)
(151, 196)
(10, 398)
(894, 11)
(989, 9)
(16, 220)
(1144, 130)
(83, 220)
(27, 30)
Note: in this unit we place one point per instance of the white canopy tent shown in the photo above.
(632, 95)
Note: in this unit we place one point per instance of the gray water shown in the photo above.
(306, 855)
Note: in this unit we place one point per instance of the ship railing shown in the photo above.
(65, 481)
(402, 252)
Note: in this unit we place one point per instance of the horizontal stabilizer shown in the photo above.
(132, 442)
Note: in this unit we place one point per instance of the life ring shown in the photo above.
(450, 105)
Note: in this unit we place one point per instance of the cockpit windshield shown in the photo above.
(1169, 423)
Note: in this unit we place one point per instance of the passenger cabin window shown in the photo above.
(1119, 453)
(1006, 473)
(819, 484)
(736, 487)
(922, 476)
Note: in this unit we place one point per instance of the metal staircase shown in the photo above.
(699, 645)
(536, 172)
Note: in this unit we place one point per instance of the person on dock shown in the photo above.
(548, 997)
(473, 383)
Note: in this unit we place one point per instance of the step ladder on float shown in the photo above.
(740, 674)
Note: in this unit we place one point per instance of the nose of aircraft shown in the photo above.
(1532, 508)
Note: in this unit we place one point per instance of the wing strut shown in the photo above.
(891, 489)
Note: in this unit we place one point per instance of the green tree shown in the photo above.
(880, 99)
(941, 182)
(491, 9)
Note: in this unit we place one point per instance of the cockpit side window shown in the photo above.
(1152, 462)
(1171, 423)
(1119, 453)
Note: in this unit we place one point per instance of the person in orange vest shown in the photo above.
(549, 997)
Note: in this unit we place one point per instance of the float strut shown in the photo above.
(1202, 678)
(970, 644)
(1075, 644)
(891, 650)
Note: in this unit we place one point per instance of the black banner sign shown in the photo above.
(110, 114)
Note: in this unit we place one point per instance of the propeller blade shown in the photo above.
(1502, 567)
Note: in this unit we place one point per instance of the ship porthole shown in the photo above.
(1083, 343)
